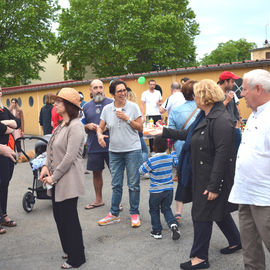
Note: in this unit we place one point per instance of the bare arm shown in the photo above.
(160, 102)
(162, 110)
(135, 124)
(229, 97)
(142, 109)
(90, 126)
(100, 129)
(9, 123)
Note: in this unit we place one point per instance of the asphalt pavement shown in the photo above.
(34, 243)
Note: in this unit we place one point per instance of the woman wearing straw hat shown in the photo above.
(63, 170)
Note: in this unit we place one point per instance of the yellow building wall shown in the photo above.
(261, 54)
(31, 114)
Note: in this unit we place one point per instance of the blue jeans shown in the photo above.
(161, 202)
(238, 138)
(118, 162)
(144, 150)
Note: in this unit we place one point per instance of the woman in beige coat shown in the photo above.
(63, 171)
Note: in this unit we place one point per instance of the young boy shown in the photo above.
(159, 167)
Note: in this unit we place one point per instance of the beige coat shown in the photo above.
(64, 160)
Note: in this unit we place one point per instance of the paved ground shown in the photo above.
(34, 243)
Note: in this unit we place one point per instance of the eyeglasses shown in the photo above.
(57, 101)
(121, 91)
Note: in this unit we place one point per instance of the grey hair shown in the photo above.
(258, 76)
(175, 86)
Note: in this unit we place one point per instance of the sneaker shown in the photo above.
(135, 220)
(175, 232)
(109, 219)
(156, 235)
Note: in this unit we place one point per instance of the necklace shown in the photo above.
(98, 108)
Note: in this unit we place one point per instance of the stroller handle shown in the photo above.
(25, 137)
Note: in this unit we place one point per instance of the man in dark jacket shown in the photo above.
(45, 116)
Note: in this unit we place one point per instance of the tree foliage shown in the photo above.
(231, 51)
(126, 36)
(25, 38)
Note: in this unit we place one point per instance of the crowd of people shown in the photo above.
(202, 140)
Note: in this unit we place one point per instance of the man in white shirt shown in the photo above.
(151, 99)
(175, 99)
(251, 189)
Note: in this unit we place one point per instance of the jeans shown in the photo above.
(144, 150)
(238, 138)
(118, 162)
(161, 202)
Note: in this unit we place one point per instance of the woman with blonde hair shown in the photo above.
(208, 161)
(63, 170)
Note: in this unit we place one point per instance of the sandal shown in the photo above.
(66, 266)
(2, 230)
(10, 223)
(178, 218)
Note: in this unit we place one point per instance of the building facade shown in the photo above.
(31, 97)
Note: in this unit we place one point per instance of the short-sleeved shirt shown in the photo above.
(92, 111)
(123, 138)
(151, 100)
(176, 99)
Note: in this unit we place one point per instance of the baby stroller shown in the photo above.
(38, 190)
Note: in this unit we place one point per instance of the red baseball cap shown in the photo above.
(225, 75)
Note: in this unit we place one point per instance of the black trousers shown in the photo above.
(4, 197)
(203, 232)
(6, 172)
(155, 118)
(69, 230)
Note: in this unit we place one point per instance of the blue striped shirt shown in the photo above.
(160, 169)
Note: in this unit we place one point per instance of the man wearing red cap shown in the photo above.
(226, 82)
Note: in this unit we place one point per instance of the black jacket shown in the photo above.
(45, 118)
(213, 163)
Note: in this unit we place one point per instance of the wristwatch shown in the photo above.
(129, 121)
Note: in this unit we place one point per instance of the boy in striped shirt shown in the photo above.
(159, 167)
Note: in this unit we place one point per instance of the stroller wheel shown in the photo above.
(28, 202)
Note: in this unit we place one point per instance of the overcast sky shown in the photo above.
(224, 20)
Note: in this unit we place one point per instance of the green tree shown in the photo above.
(126, 36)
(231, 51)
(25, 38)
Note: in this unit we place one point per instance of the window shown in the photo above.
(19, 102)
(267, 55)
(8, 102)
(44, 99)
(31, 101)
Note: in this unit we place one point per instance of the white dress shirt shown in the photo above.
(252, 175)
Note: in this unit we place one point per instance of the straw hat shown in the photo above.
(70, 95)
